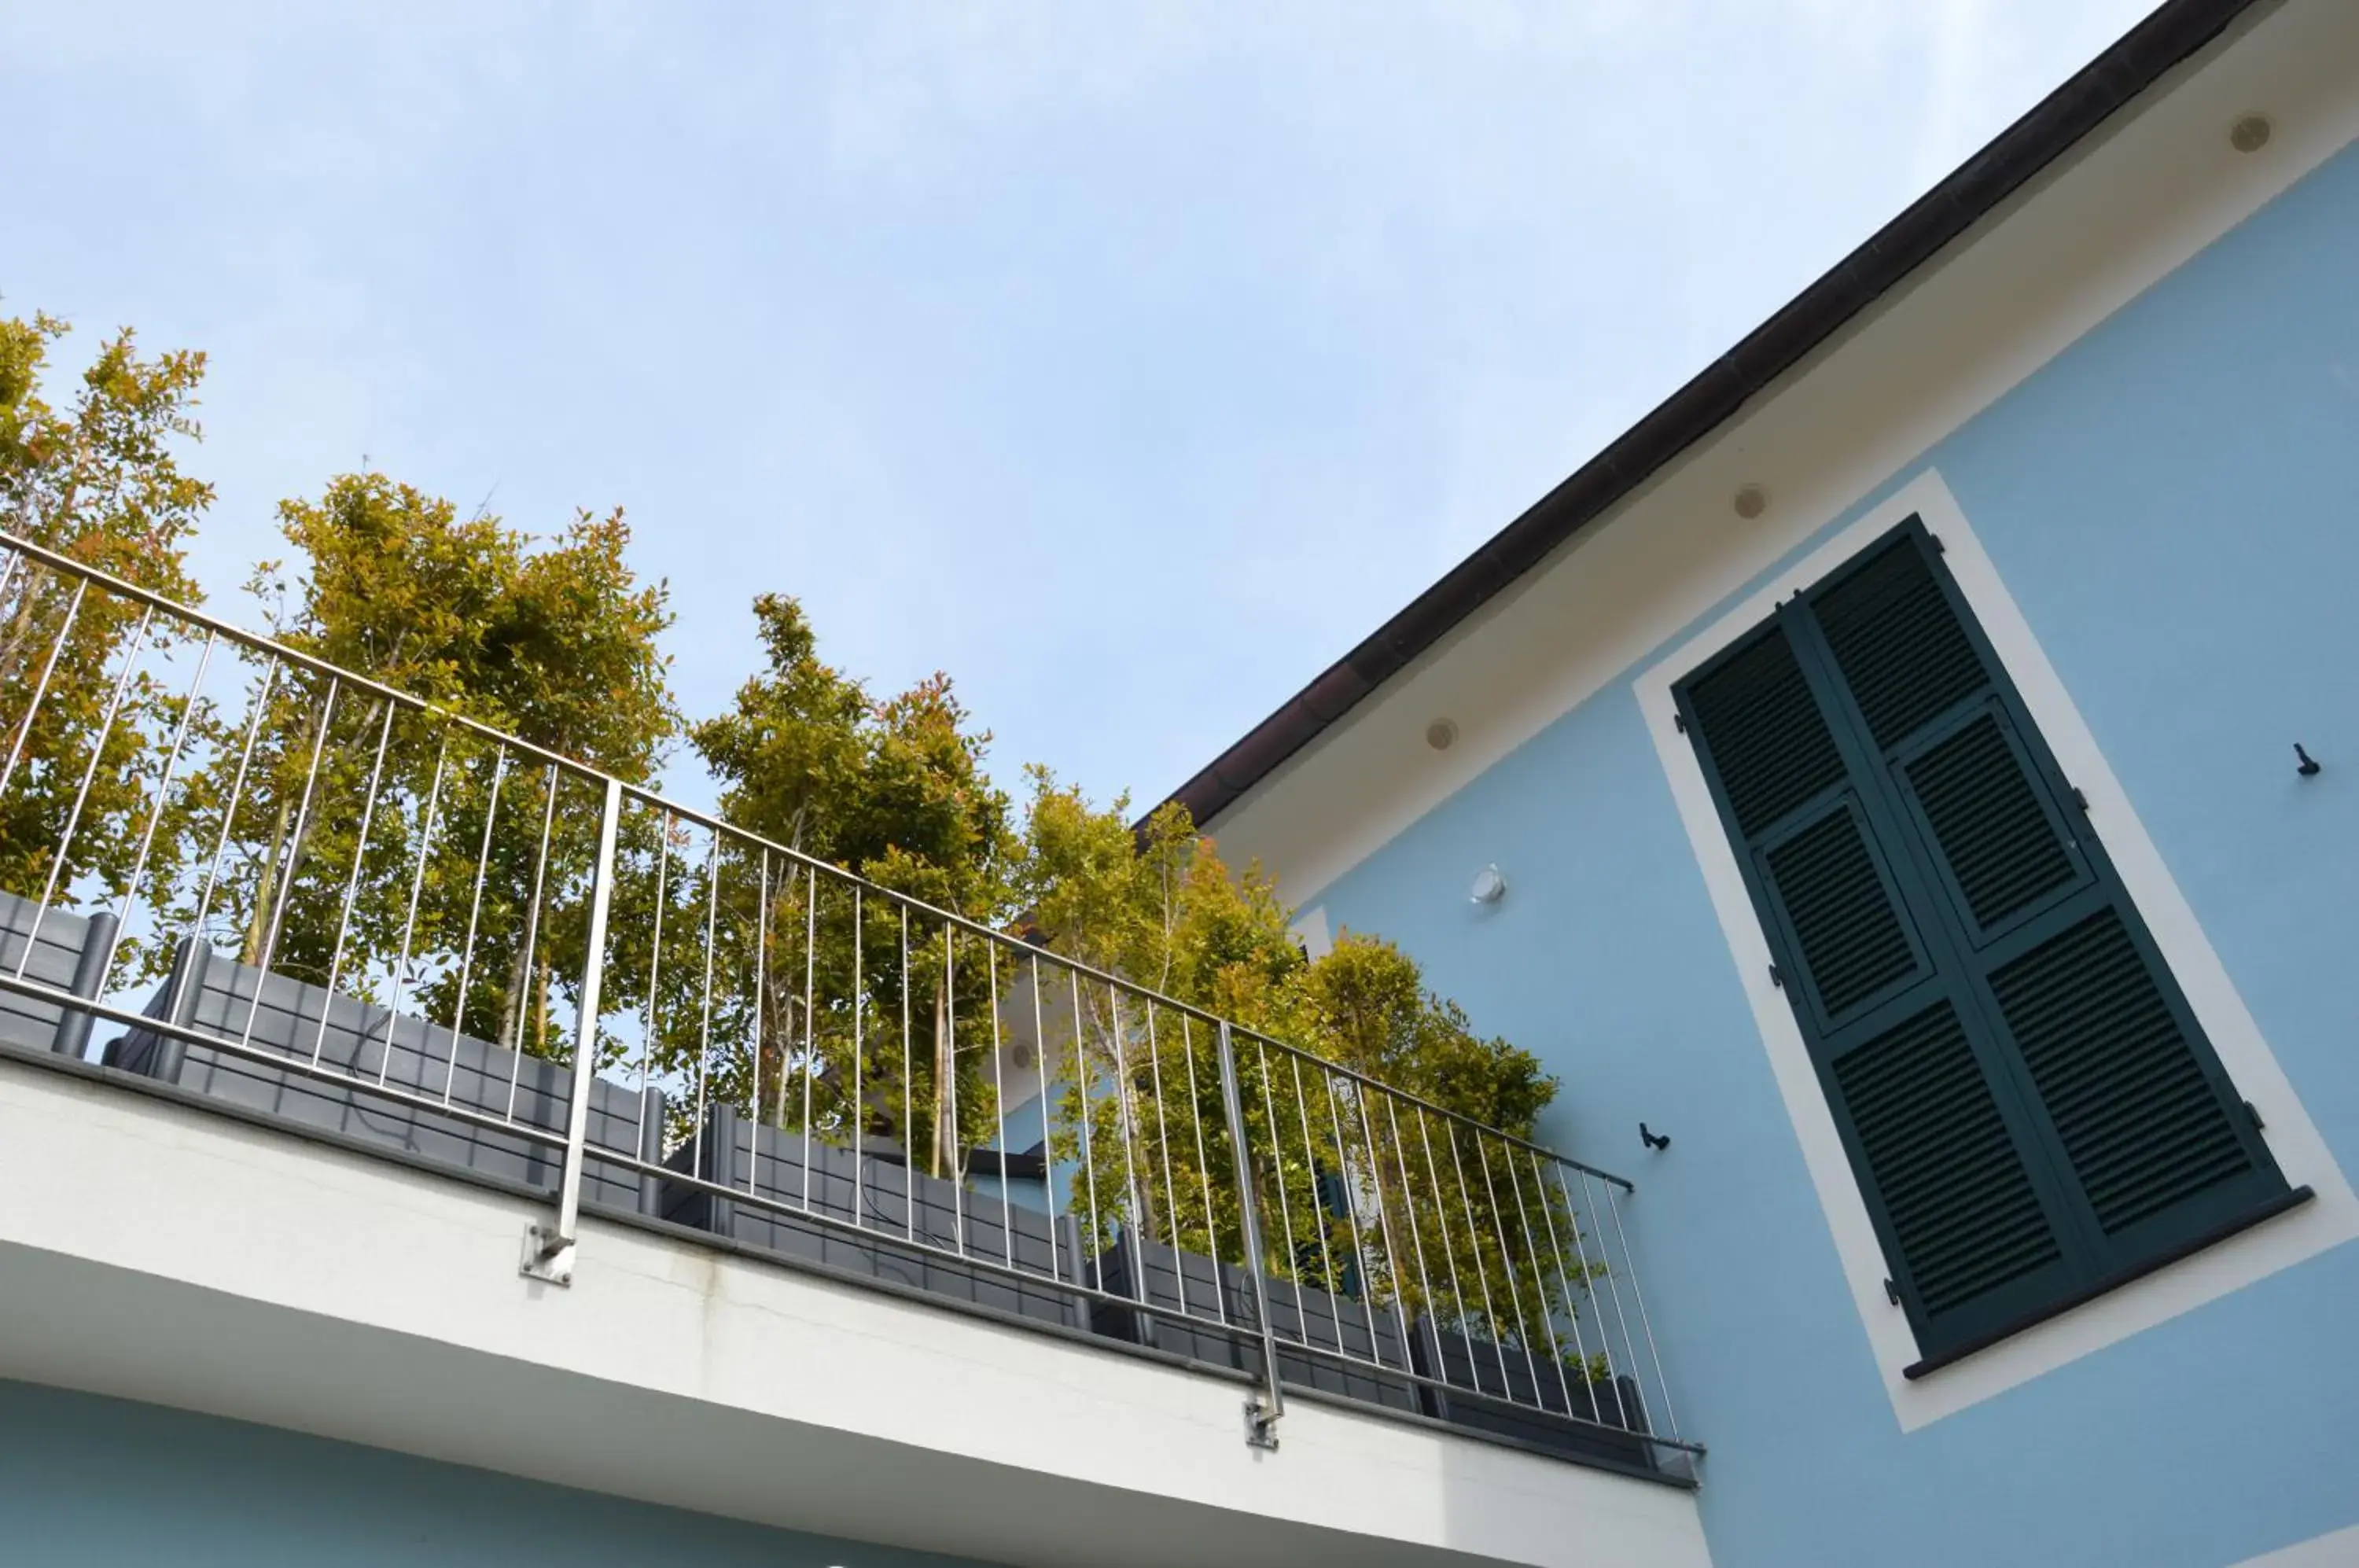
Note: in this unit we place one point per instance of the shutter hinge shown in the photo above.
(2254, 1111)
(1777, 977)
(1939, 548)
(1679, 723)
(1892, 1292)
(2081, 800)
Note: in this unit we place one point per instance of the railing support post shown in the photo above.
(549, 1250)
(1263, 1411)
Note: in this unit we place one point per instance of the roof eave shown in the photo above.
(2167, 38)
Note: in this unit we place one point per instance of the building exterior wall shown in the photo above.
(2168, 503)
(111, 1484)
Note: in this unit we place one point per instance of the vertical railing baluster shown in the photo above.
(1081, 1076)
(1138, 1216)
(520, 1005)
(154, 815)
(1588, 1284)
(229, 816)
(1564, 1283)
(1539, 1283)
(1163, 1147)
(353, 887)
(1203, 1166)
(908, 1096)
(859, 1059)
(1047, 1122)
(1352, 1216)
(131, 657)
(474, 917)
(1449, 1262)
(283, 896)
(810, 1016)
(1277, 1171)
(549, 1252)
(1261, 1415)
(946, 1056)
(409, 920)
(1384, 1226)
(41, 687)
(999, 1116)
(1614, 1286)
(761, 984)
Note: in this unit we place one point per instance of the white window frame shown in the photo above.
(2330, 1218)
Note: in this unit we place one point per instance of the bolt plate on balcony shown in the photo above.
(548, 1256)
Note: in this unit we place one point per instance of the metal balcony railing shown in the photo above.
(286, 886)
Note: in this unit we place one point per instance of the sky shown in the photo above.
(1129, 362)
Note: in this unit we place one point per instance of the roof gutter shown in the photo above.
(2175, 31)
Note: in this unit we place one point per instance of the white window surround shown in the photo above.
(2329, 1219)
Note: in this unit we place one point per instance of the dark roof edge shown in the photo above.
(2175, 30)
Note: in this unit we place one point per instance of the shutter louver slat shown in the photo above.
(1961, 1203)
(1767, 737)
(1899, 644)
(2091, 1022)
(2000, 844)
(1852, 939)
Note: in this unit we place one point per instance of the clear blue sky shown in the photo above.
(1129, 361)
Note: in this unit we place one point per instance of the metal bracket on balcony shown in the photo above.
(1261, 1426)
(548, 1256)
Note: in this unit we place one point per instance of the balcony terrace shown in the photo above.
(367, 1071)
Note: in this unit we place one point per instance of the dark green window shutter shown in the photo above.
(2028, 1103)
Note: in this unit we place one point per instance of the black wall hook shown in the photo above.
(2308, 765)
(1653, 1139)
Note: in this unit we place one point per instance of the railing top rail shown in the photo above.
(58, 561)
(646, 796)
(1407, 1098)
(1106, 977)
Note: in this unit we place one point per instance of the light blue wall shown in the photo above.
(98, 1483)
(2174, 503)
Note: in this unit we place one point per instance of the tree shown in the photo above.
(376, 832)
(866, 1020)
(1368, 1183)
(90, 703)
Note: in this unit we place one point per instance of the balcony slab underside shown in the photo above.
(156, 1250)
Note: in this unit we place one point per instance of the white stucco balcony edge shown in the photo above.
(156, 1251)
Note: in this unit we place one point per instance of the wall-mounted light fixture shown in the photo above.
(1489, 887)
(2305, 764)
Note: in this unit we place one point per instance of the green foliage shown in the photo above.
(354, 837)
(366, 827)
(892, 789)
(1370, 1180)
(99, 480)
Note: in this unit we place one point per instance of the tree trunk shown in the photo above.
(519, 997)
(257, 925)
(516, 998)
(945, 1084)
(776, 1041)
